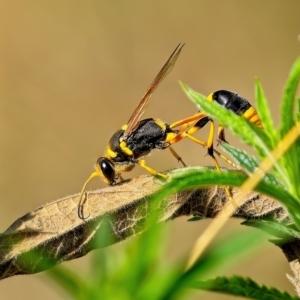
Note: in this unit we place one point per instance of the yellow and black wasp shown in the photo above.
(134, 141)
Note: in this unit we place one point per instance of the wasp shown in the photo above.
(134, 141)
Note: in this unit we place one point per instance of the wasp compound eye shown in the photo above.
(107, 168)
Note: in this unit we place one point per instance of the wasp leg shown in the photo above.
(185, 126)
(210, 140)
(82, 201)
(210, 149)
(221, 135)
(226, 188)
(227, 191)
(174, 153)
(189, 134)
(228, 160)
(211, 152)
(188, 120)
(185, 123)
(183, 135)
(202, 120)
(142, 163)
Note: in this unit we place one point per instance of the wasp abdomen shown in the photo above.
(231, 101)
(237, 104)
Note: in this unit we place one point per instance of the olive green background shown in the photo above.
(73, 71)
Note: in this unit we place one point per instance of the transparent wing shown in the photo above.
(140, 109)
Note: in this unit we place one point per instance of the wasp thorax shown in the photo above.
(108, 169)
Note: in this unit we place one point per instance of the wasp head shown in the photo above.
(106, 169)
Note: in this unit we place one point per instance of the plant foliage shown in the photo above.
(141, 273)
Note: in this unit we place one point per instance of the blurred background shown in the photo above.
(73, 71)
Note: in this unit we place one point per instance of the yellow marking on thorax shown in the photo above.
(110, 153)
(124, 127)
(125, 149)
(161, 124)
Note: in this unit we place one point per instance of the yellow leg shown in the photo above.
(188, 120)
(142, 163)
(177, 156)
(191, 137)
(202, 120)
(210, 141)
(81, 202)
(185, 126)
(221, 134)
(187, 134)
(228, 160)
(193, 130)
(227, 191)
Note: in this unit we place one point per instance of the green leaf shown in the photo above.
(264, 113)
(298, 111)
(298, 142)
(240, 286)
(288, 119)
(277, 229)
(204, 176)
(288, 102)
(195, 218)
(68, 280)
(100, 258)
(196, 177)
(248, 162)
(216, 257)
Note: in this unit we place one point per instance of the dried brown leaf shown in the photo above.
(54, 233)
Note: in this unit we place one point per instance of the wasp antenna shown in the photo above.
(82, 201)
(80, 209)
